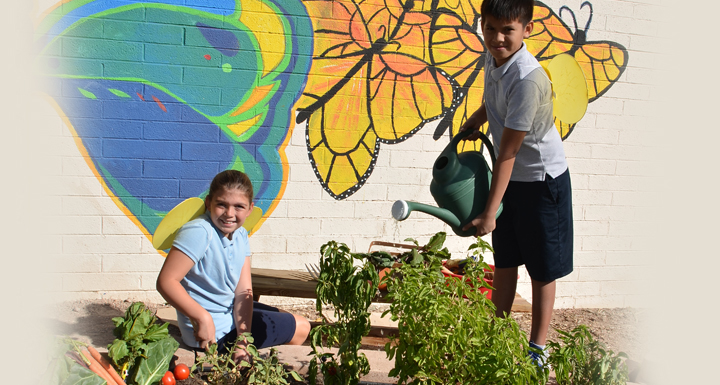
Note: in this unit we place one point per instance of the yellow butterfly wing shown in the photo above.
(457, 49)
(602, 62)
(550, 35)
(467, 10)
(341, 143)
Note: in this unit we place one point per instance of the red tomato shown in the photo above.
(181, 372)
(332, 370)
(168, 379)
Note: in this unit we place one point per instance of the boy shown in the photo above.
(530, 175)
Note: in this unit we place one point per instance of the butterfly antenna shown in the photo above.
(566, 8)
(587, 25)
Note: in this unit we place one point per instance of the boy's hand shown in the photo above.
(471, 125)
(474, 122)
(484, 224)
(204, 331)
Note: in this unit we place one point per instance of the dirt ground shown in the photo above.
(90, 322)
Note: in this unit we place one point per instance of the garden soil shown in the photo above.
(90, 321)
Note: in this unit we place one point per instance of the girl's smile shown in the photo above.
(228, 210)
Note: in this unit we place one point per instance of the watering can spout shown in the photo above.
(401, 210)
(460, 187)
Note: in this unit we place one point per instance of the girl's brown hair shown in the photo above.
(230, 180)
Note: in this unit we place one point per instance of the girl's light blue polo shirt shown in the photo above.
(213, 279)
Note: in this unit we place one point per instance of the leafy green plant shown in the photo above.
(350, 289)
(413, 257)
(582, 360)
(142, 349)
(448, 333)
(224, 370)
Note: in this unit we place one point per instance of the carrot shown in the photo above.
(98, 369)
(106, 365)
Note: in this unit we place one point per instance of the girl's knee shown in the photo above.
(302, 329)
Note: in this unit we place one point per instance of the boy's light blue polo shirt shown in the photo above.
(518, 95)
(213, 279)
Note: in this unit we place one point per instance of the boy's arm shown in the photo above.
(176, 266)
(509, 147)
(243, 307)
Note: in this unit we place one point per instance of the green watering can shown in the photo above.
(460, 187)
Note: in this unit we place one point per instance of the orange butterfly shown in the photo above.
(370, 83)
(602, 61)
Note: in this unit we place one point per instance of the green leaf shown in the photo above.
(79, 375)
(139, 326)
(159, 354)
(416, 258)
(156, 332)
(414, 241)
(118, 321)
(436, 242)
(118, 350)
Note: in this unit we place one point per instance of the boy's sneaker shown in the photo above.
(540, 359)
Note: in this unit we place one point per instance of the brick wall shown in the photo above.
(102, 249)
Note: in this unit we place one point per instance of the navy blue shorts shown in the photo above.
(535, 228)
(270, 327)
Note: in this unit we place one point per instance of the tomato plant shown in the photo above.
(181, 372)
(266, 369)
(168, 379)
(581, 359)
(447, 329)
(350, 290)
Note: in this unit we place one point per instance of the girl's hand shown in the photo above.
(240, 354)
(484, 224)
(204, 331)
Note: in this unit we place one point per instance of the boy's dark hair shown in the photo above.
(231, 180)
(510, 10)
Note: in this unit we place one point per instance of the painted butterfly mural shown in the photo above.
(161, 96)
(383, 69)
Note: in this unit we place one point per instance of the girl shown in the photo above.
(206, 276)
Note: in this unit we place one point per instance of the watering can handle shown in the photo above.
(462, 134)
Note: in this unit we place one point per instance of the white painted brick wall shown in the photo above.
(122, 263)
(96, 282)
(77, 264)
(585, 258)
(100, 253)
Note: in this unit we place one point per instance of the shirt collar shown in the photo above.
(498, 72)
(225, 242)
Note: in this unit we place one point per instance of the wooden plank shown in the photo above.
(283, 283)
(299, 284)
(294, 275)
(375, 331)
(521, 305)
